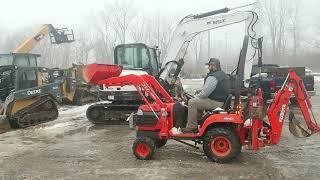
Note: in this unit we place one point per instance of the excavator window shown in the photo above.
(133, 57)
(153, 60)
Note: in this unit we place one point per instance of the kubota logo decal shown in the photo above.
(283, 110)
(32, 92)
(228, 118)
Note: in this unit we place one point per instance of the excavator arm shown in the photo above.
(57, 36)
(192, 25)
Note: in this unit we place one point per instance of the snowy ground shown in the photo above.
(72, 148)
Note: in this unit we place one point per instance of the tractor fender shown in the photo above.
(220, 119)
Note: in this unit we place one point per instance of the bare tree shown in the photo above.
(276, 14)
(122, 13)
(138, 32)
(83, 45)
(296, 24)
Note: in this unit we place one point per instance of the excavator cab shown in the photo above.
(137, 56)
(64, 35)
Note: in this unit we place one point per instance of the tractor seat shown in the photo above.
(220, 110)
(225, 105)
(227, 102)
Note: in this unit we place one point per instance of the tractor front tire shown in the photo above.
(221, 144)
(144, 148)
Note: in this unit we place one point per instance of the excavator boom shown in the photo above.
(192, 25)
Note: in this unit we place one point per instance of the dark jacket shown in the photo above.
(222, 89)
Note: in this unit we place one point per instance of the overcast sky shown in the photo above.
(74, 13)
(17, 13)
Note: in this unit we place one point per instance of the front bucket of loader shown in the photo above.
(4, 124)
(93, 73)
(297, 124)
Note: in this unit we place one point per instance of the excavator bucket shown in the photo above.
(297, 125)
(93, 73)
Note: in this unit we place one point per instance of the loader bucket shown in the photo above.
(93, 73)
(297, 125)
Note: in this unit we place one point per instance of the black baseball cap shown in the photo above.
(213, 61)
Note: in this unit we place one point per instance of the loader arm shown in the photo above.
(145, 85)
(278, 109)
(57, 36)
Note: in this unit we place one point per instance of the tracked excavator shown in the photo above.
(137, 58)
(125, 100)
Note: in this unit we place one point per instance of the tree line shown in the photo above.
(285, 37)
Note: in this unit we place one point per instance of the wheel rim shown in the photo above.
(221, 146)
(143, 150)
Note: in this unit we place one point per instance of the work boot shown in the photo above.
(189, 130)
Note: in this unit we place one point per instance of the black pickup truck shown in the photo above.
(273, 76)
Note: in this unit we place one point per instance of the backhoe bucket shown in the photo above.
(93, 73)
(297, 125)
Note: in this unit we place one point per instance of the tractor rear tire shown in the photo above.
(144, 148)
(221, 144)
(160, 142)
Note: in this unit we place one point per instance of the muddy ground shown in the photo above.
(72, 148)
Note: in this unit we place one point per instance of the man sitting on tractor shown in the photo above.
(215, 91)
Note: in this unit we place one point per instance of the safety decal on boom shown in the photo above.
(219, 21)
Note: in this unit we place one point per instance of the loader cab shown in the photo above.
(137, 56)
(17, 71)
(19, 59)
(14, 78)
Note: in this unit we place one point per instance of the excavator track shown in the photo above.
(39, 112)
(84, 96)
(110, 114)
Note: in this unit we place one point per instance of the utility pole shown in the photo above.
(209, 45)
(226, 43)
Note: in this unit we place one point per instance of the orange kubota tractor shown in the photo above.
(222, 132)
